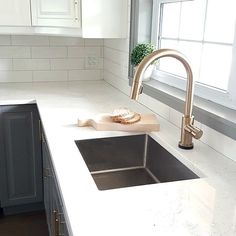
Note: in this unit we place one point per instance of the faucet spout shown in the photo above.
(187, 121)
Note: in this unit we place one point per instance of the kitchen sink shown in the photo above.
(126, 161)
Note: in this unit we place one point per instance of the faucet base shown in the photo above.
(185, 147)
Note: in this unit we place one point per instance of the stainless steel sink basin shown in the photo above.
(126, 161)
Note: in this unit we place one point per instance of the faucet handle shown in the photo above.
(194, 131)
(141, 89)
(137, 88)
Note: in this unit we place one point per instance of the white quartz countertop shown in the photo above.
(200, 207)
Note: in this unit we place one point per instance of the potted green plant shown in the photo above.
(137, 55)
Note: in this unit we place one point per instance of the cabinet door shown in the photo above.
(56, 13)
(15, 13)
(47, 183)
(52, 201)
(60, 227)
(20, 154)
(104, 18)
(56, 210)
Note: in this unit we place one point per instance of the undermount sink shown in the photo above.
(126, 161)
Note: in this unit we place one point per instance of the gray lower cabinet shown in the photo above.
(52, 199)
(20, 157)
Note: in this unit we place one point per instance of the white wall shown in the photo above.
(116, 59)
(43, 58)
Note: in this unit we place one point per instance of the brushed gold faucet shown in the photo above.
(188, 130)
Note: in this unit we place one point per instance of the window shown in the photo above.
(204, 31)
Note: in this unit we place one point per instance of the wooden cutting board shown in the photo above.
(104, 122)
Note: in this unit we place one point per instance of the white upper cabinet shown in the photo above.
(104, 18)
(56, 13)
(79, 18)
(15, 13)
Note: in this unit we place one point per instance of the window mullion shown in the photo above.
(180, 13)
(203, 40)
(155, 22)
(160, 26)
(205, 19)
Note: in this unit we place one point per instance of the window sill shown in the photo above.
(217, 117)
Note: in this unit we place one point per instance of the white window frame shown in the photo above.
(225, 98)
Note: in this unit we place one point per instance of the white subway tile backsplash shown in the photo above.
(49, 52)
(6, 64)
(5, 40)
(84, 75)
(156, 106)
(31, 64)
(94, 42)
(93, 63)
(219, 142)
(15, 76)
(29, 40)
(84, 51)
(39, 76)
(66, 41)
(67, 64)
(117, 44)
(119, 57)
(102, 74)
(117, 82)
(116, 69)
(46, 58)
(14, 52)
(198, 124)
(175, 117)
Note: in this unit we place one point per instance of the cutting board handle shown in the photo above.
(84, 122)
